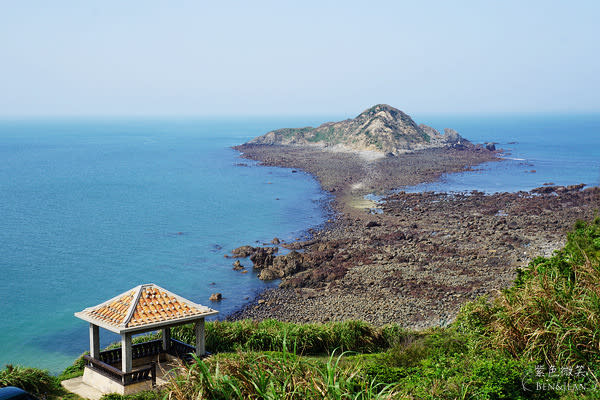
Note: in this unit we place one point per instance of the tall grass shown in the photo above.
(32, 380)
(272, 375)
(270, 335)
(552, 313)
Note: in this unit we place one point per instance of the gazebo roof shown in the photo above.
(144, 308)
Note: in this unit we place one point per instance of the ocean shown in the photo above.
(539, 149)
(92, 207)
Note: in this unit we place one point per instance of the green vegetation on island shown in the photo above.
(381, 128)
(539, 339)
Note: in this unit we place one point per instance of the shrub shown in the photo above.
(384, 374)
(553, 311)
(408, 352)
(35, 381)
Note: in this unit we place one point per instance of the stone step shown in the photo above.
(76, 385)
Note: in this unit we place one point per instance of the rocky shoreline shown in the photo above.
(421, 255)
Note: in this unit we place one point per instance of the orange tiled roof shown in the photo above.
(116, 310)
(142, 306)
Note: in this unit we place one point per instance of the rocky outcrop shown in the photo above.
(430, 253)
(558, 189)
(237, 266)
(381, 128)
(263, 257)
(452, 136)
(282, 266)
(425, 254)
(456, 141)
(242, 252)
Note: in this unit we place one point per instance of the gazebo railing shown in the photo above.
(102, 365)
(112, 356)
(138, 350)
(180, 349)
(146, 349)
(124, 378)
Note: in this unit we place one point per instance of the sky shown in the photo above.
(199, 58)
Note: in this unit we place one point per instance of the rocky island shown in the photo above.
(412, 258)
(380, 129)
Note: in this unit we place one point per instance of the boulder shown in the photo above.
(237, 265)
(372, 224)
(216, 297)
(544, 189)
(288, 264)
(268, 275)
(263, 257)
(451, 135)
(242, 251)
(455, 141)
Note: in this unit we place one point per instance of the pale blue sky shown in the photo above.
(303, 57)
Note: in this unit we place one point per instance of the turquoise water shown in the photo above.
(90, 208)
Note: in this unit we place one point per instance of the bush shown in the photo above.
(408, 352)
(35, 381)
(552, 313)
(384, 374)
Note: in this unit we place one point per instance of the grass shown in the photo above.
(501, 348)
(33, 380)
(273, 375)
(328, 136)
(74, 370)
(145, 395)
(539, 339)
(552, 313)
(272, 335)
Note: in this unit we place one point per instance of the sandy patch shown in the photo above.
(369, 155)
(366, 155)
(361, 203)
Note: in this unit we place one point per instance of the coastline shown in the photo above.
(423, 256)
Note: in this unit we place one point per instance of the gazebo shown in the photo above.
(144, 308)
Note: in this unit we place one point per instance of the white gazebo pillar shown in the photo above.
(166, 338)
(200, 346)
(94, 341)
(126, 355)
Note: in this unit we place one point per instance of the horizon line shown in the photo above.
(287, 115)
